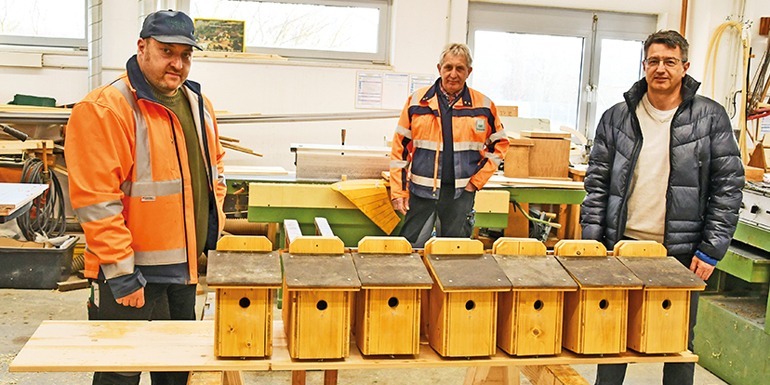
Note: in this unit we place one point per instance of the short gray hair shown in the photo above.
(459, 50)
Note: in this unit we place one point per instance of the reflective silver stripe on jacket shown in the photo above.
(99, 211)
(118, 269)
(421, 180)
(465, 146)
(499, 135)
(399, 163)
(487, 102)
(415, 99)
(155, 189)
(461, 183)
(143, 162)
(405, 132)
(427, 145)
(494, 158)
(161, 257)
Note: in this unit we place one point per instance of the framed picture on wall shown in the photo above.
(220, 35)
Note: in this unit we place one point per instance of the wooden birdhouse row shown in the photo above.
(518, 298)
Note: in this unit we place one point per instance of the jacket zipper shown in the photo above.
(181, 178)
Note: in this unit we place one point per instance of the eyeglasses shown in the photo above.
(669, 62)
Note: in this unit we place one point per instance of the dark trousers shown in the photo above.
(181, 306)
(451, 217)
(673, 373)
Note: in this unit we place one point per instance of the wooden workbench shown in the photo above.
(86, 346)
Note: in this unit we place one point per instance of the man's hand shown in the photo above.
(401, 205)
(470, 187)
(701, 269)
(135, 299)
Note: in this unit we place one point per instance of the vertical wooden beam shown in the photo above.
(553, 375)
(518, 224)
(330, 377)
(233, 378)
(298, 377)
(495, 375)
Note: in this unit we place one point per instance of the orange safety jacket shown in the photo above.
(130, 184)
(480, 143)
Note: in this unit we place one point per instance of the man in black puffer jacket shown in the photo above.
(665, 166)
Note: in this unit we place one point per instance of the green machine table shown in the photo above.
(732, 336)
(272, 199)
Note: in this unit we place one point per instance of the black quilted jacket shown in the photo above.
(704, 185)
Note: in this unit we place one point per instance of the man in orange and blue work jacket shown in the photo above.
(448, 143)
(145, 175)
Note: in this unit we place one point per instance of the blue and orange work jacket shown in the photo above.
(130, 183)
(480, 143)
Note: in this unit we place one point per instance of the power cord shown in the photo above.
(46, 216)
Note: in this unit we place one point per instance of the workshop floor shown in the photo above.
(23, 310)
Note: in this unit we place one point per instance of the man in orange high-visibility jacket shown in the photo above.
(145, 175)
(448, 143)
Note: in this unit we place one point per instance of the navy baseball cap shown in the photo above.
(170, 27)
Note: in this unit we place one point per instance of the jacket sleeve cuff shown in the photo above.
(126, 284)
(705, 258)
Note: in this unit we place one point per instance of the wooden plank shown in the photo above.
(533, 182)
(387, 270)
(233, 378)
(639, 249)
(291, 230)
(239, 268)
(492, 375)
(492, 201)
(206, 378)
(307, 244)
(518, 224)
(508, 110)
(244, 243)
(18, 147)
(372, 198)
(330, 377)
(80, 346)
(322, 227)
(14, 196)
(384, 245)
(296, 195)
(453, 246)
(73, 284)
(298, 377)
(552, 375)
(545, 135)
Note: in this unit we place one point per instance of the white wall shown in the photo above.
(419, 31)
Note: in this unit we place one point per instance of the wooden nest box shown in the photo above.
(529, 318)
(462, 315)
(319, 279)
(244, 271)
(388, 305)
(595, 316)
(659, 314)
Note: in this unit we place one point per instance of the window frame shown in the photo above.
(55, 42)
(383, 39)
(525, 19)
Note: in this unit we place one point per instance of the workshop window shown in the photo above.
(320, 29)
(564, 65)
(52, 23)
